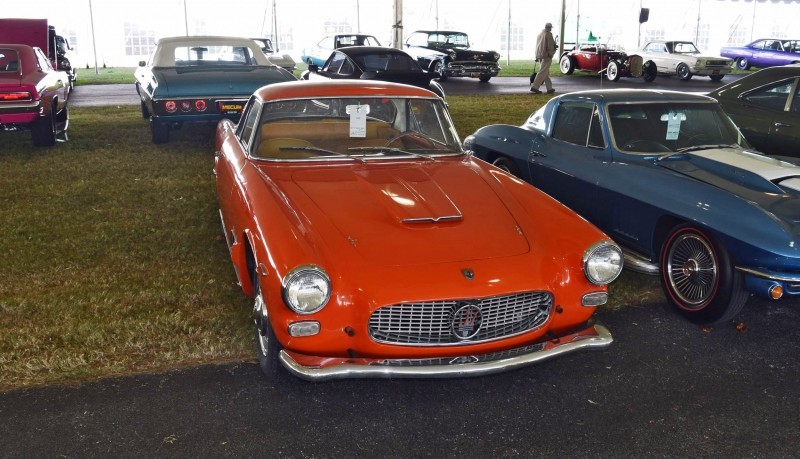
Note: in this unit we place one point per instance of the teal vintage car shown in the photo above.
(202, 78)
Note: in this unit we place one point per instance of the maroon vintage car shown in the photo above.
(33, 95)
(615, 64)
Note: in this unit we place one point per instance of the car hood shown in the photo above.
(772, 184)
(405, 214)
(215, 81)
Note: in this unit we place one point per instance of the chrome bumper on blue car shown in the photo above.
(761, 282)
(595, 337)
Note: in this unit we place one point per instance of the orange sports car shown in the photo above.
(374, 246)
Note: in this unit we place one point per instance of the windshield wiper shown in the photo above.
(703, 147)
(392, 150)
(683, 150)
(322, 150)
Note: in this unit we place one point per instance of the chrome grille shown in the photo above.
(431, 323)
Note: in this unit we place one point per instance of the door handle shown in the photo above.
(779, 124)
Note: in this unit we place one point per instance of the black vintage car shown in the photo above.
(374, 63)
(449, 54)
(765, 105)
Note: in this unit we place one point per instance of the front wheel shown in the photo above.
(683, 72)
(566, 65)
(484, 78)
(438, 69)
(698, 277)
(716, 77)
(649, 71)
(742, 63)
(613, 71)
(507, 164)
(267, 345)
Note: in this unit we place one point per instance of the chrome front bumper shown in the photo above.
(594, 337)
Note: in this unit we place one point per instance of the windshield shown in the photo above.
(213, 55)
(669, 127)
(685, 48)
(355, 128)
(455, 40)
(9, 61)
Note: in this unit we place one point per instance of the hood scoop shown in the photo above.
(411, 196)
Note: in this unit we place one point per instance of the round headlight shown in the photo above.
(306, 289)
(496, 55)
(602, 263)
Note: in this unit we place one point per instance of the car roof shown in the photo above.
(202, 38)
(439, 31)
(338, 88)
(635, 95)
(360, 50)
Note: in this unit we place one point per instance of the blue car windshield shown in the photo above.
(668, 127)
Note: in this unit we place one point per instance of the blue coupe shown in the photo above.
(672, 180)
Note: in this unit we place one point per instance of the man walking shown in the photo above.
(545, 50)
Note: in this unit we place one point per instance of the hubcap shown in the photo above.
(692, 270)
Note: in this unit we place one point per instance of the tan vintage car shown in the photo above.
(682, 58)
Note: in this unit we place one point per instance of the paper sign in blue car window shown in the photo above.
(674, 125)
(358, 120)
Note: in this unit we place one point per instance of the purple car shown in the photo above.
(766, 52)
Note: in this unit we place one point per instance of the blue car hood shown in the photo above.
(215, 80)
(772, 184)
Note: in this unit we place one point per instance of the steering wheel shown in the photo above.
(649, 146)
(414, 138)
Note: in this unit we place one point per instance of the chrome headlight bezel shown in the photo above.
(610, 259)
(314, 277)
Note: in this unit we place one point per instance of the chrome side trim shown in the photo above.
(780, 277)
(639, 264)
(466, 366)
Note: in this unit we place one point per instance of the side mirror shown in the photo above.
(313, 68)
(142, 63)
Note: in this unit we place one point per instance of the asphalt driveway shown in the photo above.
(664, 388)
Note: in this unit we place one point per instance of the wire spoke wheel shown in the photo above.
(692, 270)
(699, 277)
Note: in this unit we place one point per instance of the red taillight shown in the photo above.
(186, 105)
(15, 96)
(171, 106)
(200, 105)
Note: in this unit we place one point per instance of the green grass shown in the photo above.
(110, 75)
(112, 259)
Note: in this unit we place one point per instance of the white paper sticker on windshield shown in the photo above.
(674, 125)
(358, 120)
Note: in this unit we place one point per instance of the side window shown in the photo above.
(249, 120)
(596, 131)
(773, 97)
(573, 120)
(335, 63)
(347, 67)
(44, 62)
(326, 43)
(417, 39)
(795, 107)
